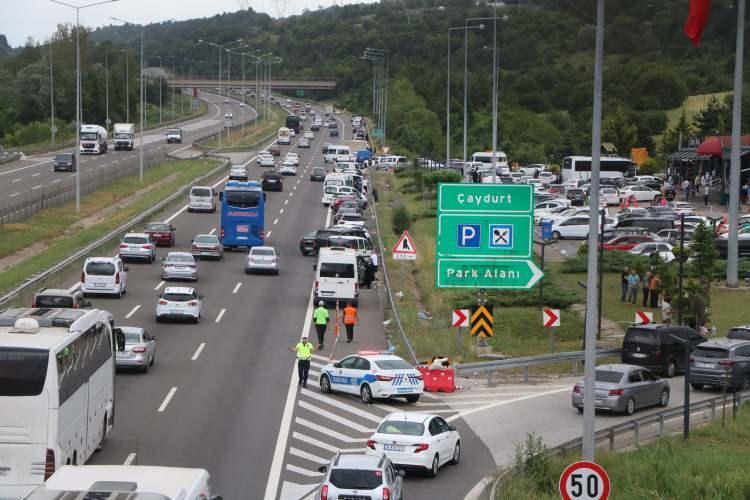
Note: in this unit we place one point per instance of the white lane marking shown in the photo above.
(325, 430)
(167, 399)
(36, 187)
(282, 210)
(16, 180)
(303, 472)
(55, 182)
(132, 311)
(338, 404)
(325, 446)
(465, 413)
(161, 284)
(268, 234)
(130, 459)
(297, 181)
(237, 287)
(182, 148)
(286, 202)
(198, 351)
(14, 194)
(221, 315)
(212, 231)
(24, 168)
(291, 194)
(275, 221)
(335, 418)
(36, 174)
(308, 456)
(294, 188)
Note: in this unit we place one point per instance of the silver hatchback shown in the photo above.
(207, 245)
(179, 266)
(140, 349)
(262, 259)
(721, 361)
(137, 246)
(360, 476)
(623, 388)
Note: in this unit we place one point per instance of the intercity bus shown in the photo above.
(242, 214)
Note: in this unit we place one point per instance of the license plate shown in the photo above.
(100, 285)
(393, 447)
(639, 355)
(175, 311)
(243, 228)
(404, 390)
(180, 269)
(704, 365)
(598, 402)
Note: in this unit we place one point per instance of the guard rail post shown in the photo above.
(611, 439)
(636, 432)
(526, 374)
(713, 409)
(661, 424)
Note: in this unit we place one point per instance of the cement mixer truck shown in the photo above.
(93, 139)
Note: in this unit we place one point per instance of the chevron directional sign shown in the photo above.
(482, 322)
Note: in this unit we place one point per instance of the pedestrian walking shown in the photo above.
(624, 283)
(633, 281)
(374, 261)
(666, 309)
(368, 274)
(350, 319)
(654, 286)
(744, 193)
(686, 189)
(321, 317)
(706, 192)
(646, 287)
(304, 350)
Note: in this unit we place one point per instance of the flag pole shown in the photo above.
(734, 167)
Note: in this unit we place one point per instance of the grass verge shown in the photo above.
(50, 225)
(711, 464)
(253, 132)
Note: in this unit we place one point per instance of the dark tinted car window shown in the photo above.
(641, 336)
(158, 226)
(356, 479)
(242, 199)
(200, 192)
(53, 301)
(739, 333)
(336, 270)
(22, 371)
(135, 240)
(711, 352)
(100, 268)
(178, 297)
(609, 376)
(65, 158)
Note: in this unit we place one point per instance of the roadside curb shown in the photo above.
(479, 491)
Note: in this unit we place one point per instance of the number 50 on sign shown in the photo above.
(584, 481)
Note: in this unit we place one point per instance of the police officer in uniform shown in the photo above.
(320, 316)
(304, 350)
(350, 319)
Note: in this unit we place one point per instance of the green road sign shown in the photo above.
(486, 273)
(377, 133)
(300, 93)
(494, 198)
(484, 235)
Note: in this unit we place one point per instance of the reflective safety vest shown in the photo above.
(304, 350)
(350, 315)
(321, 315)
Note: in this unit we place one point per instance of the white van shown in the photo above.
(330, 193)
(361, 246)
(337, 180)
(129, 480)
(105, 275)
(202, 199)
(337, 152)
(337, 276)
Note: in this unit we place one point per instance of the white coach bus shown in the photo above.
(57, 383)
(612, 167)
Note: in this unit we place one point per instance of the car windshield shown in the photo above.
(210, 239)
(135, 240)
(132, 338)
(100, 268)
(200, 192)
(711, 352)
(158, 226)
(263, 251)
(608, 376)
(242, 199)
(336, 270)
(22, 371)
(331, 190)
(89, 136)
(179, 258)
(53, 301)
(401, 427)
(177, 297)
(318, 170)
(393, 364)
(173, 131)
(356, 479)
(66, 158)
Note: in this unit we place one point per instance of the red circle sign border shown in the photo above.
(583, 465)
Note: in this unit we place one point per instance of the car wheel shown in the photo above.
(158, 319)
(671, 368)
(555, 235)
(745, 384)
(696, 385)
(433, 472)
(145, 368)
(412, 398)
(664, 398)
(153, 359)
(630, 407)
(366, 394)
(325, 385)
(190, 210)
(456, 453)
(580, 409)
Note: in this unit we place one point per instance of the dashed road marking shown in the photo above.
(286, 202)
(281, 211)
(14, 194)
(237, 287)
(275, 221)
(130, 459)
(212, 231)
(161, 284)
(36, 174)
(132, 311)
(198, 351)
(221, 315)
(167, 399)
(268, 235)
(17, 180)
(36, 187)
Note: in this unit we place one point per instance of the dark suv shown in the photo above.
(64, 162)
(655, 347)
(272, 181)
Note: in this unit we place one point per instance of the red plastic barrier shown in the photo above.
(443, 380)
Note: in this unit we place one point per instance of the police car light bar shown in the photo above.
(372, 353)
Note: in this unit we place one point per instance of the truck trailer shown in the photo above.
(93, 139)
(124, 136)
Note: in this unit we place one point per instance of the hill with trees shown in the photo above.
(545, 52)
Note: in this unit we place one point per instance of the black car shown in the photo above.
(334, 132)
(314, 127)
(659, 347)
(322, 236)
(64, 162)
(272, 181)
(318, 174)
(576, 196)
(307, 244)
(653, 224)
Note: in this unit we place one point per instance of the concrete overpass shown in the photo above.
(276, 84)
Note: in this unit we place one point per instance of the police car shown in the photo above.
(372, 374)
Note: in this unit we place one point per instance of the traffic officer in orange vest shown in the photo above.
(350, 319)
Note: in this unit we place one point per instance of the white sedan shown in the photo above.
(576, 226)
(178, 302)
(309, 135)
(641, 193)
(288, 168)
(544, 209)
(664, 250)
(609, 196)
(416, 441)
(293, 156)
(267, 161)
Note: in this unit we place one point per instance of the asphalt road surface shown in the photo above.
(32, 173)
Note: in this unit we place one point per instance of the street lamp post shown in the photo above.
(221, 48)
(161, 82)
(52, 127)
(78, 88)
(127, 87)
(381, 56)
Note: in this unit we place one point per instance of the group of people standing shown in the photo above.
(651, 288)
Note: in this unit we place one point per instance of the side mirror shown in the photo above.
(264, 196)
(322, 469)
(278, 252)
(452, 427)
(119, 339)
(315, 267)
(200, 296)
(126, 269)
(217, 497)
(402, 473)
(152, 337)
(87, 303)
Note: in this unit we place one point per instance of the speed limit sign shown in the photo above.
(584, 481)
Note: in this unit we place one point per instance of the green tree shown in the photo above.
(703, 254)
(711, 119)
(401, 220)
(671, 138)
(620, 131)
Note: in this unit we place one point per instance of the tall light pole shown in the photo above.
(382, 56)
(161, 82)
(221, 48)
(466, 77)
(465, 29)
(107, 121)
(52, 127)
(143, 98)
(78, 89)
(127, 87)
(229, 75)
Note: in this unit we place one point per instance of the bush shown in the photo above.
(401, 220)
(532, 459)
(650, 167)
(612, 262)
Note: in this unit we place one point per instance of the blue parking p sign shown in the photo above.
(469, 235)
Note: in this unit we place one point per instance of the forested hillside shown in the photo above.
(545, 61)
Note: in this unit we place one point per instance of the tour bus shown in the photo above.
(579, 167)
(284, 136)
(292, 122)
(57, 391)
(242, 214)
(501, 160)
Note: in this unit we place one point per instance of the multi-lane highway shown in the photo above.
(33, 173)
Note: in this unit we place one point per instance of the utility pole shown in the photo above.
(52, 127)
(494, 92)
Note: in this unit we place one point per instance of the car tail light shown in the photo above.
(692, 359)
(222, 233)
(33, 304)
(83, 277)
(194, 247)
(163, 302)
(727, 362)
(262, 234)
(147, 247)
(139, 349)
(324, 492)
(192, 303)
(576, 389)
(49, 464)
(117, 278)
(616, 392)
(317, 283)
(123, 245)
(386, 494)
(383, 378)
(421, 447)
(356, 289)
(371, 444)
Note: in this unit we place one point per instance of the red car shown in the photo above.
(340, 200)
(162, 233)
(627, 242)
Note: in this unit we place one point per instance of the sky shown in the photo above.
(17, 24)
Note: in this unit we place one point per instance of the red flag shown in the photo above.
(697, 19)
